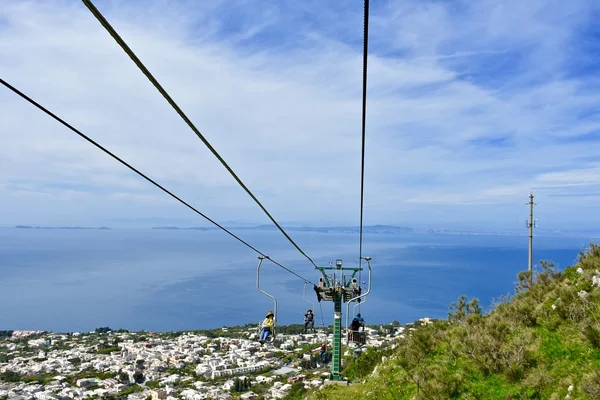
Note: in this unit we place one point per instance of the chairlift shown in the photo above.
(312, 307)
(358, 336)
(271, 337)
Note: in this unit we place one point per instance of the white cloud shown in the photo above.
(276, 90)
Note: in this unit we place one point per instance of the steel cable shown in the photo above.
(162, 91)
(30, 100)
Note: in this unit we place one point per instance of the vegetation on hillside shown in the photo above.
(543, 343)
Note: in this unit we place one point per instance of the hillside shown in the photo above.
(541, 343)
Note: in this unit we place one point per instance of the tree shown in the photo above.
(123, 377)
(296, 391)
(138, 376)
(461, 310)
(237, 385)
(10, 376)
(311, 363)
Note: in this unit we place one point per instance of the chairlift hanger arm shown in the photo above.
(363, 301)
(261, 258)
(312, 306)
(368, 259)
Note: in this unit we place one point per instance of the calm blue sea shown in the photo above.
(77, 280)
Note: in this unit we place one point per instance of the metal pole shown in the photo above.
(530, 267)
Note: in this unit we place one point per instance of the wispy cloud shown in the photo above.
(470, 106)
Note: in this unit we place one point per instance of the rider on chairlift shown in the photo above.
(267, 327)
(309, 321)
(360, 319)
(355, 325)
(353, 330)
(323, 353)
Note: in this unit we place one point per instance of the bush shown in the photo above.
(296, 391)
(591, 385)
(10, 376)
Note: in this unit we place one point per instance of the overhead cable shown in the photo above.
(364, 120)
(162, 91)
(144, 176)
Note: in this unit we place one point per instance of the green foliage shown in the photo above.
(241, 385)
(89, 373)
(108, 350)
(129, 390)
(591, 385)
(312, 363)
(123, 377)
(534, 345)
(140, 338)
(138, 376)
(152, 384)
(462, 310)
(10, 376)
(361, 366)
(297, 392)
(293, 329)
(39, 378)
(4, 357)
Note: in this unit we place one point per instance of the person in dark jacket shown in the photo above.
(309, 321)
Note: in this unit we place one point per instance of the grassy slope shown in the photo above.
(533, 346)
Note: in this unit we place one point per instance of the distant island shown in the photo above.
(383, 229)
(58, 227)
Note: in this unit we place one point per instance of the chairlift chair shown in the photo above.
(271, 337)
(312, 307)
(358, 337)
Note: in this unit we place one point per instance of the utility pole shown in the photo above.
(530, 224)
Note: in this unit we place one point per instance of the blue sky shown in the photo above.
(471, 105)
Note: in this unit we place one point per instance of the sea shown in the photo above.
(65, 280)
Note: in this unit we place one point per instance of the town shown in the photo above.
(226, 363)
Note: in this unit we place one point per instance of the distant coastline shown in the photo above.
(383, 229)
(370, 229)
(59, 227)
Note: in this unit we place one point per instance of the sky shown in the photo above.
(470, 107)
